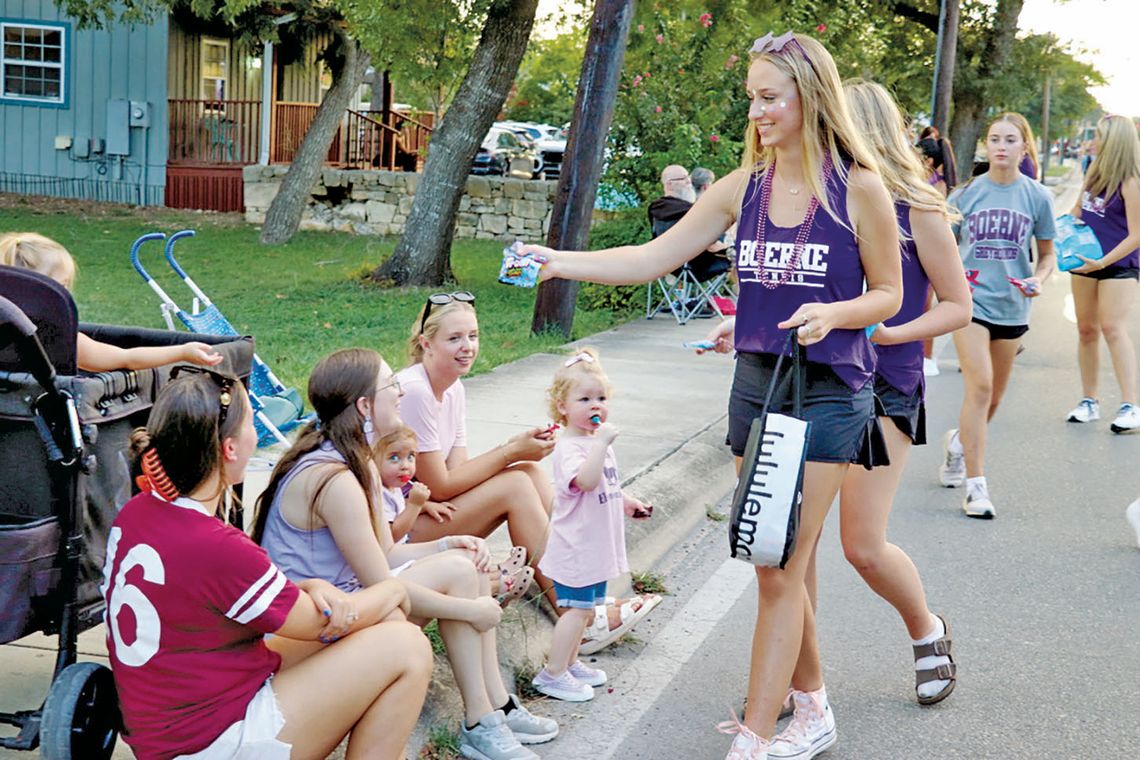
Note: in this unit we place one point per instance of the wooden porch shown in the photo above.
(210, 140)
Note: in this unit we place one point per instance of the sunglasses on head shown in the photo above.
(442, 299)
(225, 385)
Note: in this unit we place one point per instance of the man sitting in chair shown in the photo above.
(665, 211)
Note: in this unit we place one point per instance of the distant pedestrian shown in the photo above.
(1030, 164)
(818, 252)
(1003, 211)
(1104, 290)
(702, 179)
(945, 154)
(586, 547)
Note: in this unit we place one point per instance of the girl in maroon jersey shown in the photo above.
(190, 599)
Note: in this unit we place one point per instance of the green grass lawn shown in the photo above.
(300, 301)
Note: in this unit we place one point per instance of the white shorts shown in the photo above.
(254, 737)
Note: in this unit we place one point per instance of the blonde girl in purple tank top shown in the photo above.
(798, 119)
(1104, 290)
(930, 259)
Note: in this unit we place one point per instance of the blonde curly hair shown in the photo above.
(580, 364)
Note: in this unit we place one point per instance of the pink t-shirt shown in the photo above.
(587, 528)
(188, 601)
(439, 425)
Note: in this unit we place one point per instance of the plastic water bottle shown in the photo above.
(1075, 239)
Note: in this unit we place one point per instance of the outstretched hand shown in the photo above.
(543, 255)
(201, 354)
(722, 336)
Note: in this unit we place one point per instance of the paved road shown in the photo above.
(1044, 601)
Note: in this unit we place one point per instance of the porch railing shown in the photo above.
(214, 132)
(398, 145)
(229, 133)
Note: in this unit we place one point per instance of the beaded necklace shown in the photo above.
(802, 231)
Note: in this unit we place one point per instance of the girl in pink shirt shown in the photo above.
(586, 546)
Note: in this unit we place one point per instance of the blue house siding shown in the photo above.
(117, 62)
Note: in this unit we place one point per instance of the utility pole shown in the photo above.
(945, 58)
(1045, 127)
(582, 165)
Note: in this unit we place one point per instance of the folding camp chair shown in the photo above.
(697, 287)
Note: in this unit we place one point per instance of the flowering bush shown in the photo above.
(681, 98)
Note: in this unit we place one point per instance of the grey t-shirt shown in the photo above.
(993, 241)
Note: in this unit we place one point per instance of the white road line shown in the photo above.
(639, 685)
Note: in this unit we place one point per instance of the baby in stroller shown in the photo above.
(41, 254)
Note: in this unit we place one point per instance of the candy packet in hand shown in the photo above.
(1028, 288)
(518, 269)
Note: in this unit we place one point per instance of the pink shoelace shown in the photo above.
(735, 727)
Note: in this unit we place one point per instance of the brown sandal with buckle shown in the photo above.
(940, 647)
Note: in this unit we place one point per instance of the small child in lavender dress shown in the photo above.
(586, 547)
(396, 458)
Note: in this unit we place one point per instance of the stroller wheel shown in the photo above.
(81, 714)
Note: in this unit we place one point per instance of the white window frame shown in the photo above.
(61, 66)
(202, 78)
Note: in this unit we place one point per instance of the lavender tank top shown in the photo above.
(1028, 166)
(829, 270)
(1110, 225)
(901, 365)
(302, 554)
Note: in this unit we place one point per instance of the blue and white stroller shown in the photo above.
(277, 409)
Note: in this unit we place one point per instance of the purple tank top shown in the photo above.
(901, 365)
(1110, 225)
(829, 270)
(1028, 167)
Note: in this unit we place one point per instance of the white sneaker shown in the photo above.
(491, 739)
(746, 745)
(1087, 410)
(587, 675)
(1133, 515)
(952, 471)
(977, 504)
(811, 731)
(1127, 419)
(930, 367)
(527, 727)
(565, 687)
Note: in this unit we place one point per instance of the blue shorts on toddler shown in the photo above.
(580, 598)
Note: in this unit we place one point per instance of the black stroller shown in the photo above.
(63, 477)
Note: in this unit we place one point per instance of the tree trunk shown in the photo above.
(422, 256)
(582, 164)
(284, 214)
(971, 88)
(944, 76)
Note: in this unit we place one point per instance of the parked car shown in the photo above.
(503, 154)
(549, 142)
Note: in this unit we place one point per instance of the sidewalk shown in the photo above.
(670, 406)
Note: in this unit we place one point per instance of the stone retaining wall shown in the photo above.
(378, 203)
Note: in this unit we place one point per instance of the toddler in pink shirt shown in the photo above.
(586, 546)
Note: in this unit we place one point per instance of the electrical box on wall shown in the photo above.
(140, 113)
(118, 127)
(62, 142)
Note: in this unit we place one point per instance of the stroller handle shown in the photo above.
(17, 330)
(170, 251)
(135, 246)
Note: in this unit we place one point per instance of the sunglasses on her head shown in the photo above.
(442, 299)
(225, 384)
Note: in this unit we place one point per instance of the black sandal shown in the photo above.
(940, 647)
